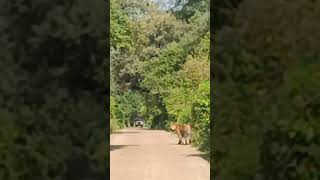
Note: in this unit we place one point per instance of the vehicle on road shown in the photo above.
(139, 122)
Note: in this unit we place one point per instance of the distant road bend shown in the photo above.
(142, 154)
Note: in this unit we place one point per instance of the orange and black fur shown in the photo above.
(183, 131)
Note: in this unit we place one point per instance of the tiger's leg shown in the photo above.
(186, 140)
(183, 134)
(183, 140)
(189, 136)
(189, 139)
(180, 139)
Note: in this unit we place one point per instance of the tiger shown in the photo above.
(183, 131)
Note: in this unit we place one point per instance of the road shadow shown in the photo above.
(201, 155)
(129, 132)
(116, 147)
(176, 144)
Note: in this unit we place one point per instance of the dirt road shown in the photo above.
(141, 154)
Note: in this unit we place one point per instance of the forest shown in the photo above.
(160, 66)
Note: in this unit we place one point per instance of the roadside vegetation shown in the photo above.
(160, 67)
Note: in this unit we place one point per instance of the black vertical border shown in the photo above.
(211, 4)
(108, 88)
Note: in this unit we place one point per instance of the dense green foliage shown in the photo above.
(160, 66)
(52, 90)
(266, 92)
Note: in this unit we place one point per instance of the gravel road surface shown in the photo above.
(142, 154)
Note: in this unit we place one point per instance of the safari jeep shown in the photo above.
(138, 123)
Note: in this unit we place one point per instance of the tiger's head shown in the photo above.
(173, 126)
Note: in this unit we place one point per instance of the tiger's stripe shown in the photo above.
(183, 131)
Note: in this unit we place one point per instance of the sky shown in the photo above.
(166, 4)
